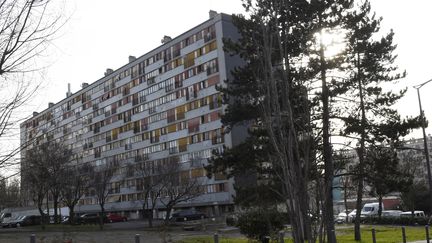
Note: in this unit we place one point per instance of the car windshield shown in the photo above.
(368, 209)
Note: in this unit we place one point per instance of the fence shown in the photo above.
(282, 236)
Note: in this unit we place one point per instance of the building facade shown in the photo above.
(161, 106)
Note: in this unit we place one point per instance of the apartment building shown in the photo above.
(412, 155)
(161, 106)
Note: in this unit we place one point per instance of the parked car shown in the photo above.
(90, 218)
(341, 218)
(112, 217)
(24, 220)
(352, 215)
(186, 215)
(417, 213)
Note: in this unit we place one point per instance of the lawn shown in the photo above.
(387, 234)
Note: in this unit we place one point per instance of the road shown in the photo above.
(116, 233)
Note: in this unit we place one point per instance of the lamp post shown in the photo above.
(423, 124)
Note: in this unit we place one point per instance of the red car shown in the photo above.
(112, 217)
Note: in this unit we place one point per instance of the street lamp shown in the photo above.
(423, 124)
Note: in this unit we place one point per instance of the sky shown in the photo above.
(101, 34)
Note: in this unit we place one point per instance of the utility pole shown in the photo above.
(423, 124)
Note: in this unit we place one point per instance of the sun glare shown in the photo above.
(333, 41)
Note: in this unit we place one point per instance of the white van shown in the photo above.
(391, 213)
(371, 209)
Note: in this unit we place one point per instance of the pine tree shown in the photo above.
(384, 172)
(326, 17)
(268, 94)
(370, 64)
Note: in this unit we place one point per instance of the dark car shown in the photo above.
(90, 218)
(24, 220)
(112, 217)
(186, 215)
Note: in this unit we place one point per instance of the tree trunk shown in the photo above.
(42, 214)
(148, 214)
(55, 207)
(345, 185)
(380, 209)
(71, 214)
(168, 213)
(102, 216)
(327, 153)
(48, 210)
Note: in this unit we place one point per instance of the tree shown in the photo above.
(150, 181)
(9, 193)
(414, 193)
(257, 224)
(327, 18)
(76, 183)
(370, 63)
(416, 197)
(45, 167)
(344, 164)
(384, 173)
(101, 178)
(268, 94)
(177, 186)
(27, 28)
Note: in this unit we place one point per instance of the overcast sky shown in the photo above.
(103, 33)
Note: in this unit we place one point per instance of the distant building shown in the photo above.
(161, 106)
(411, 155)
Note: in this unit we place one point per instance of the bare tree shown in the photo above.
(76, 183)
(100, 180)
(9, 193)
(36, 186)
(27, 27)
(46, 167)
(177, 187)
(150, 182)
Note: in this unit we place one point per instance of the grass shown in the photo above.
(384, 234)
(387, 234)
(209, 239)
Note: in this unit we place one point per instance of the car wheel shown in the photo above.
(202, 216)
(18, 225)
(110, 221)
(124, 220)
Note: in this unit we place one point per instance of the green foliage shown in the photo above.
(416, 197)
(371, 58)
(384, 173)
(256, 224)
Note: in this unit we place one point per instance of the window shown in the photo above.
(193, 125)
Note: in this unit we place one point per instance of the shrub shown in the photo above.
(256, 224)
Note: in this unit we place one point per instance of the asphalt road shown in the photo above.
(121, 232)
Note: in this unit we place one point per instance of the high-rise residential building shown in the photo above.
(161, 106)
(412, 154)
